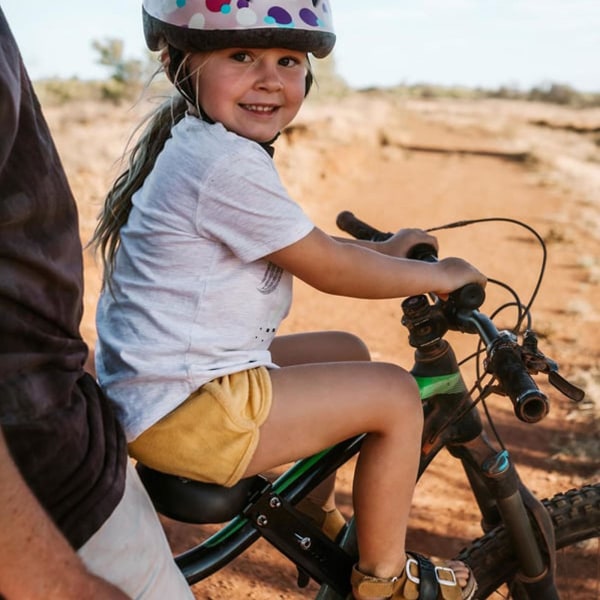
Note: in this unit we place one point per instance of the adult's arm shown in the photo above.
(37, 561)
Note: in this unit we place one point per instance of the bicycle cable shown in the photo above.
(523, 313)
(542, 269)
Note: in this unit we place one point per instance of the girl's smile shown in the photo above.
(254, 93)
(259, 108)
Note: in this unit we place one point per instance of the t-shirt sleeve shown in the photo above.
(245, 206)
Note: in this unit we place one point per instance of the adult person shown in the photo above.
(74, 521)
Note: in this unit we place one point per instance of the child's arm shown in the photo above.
(347, 269)
(397, 245)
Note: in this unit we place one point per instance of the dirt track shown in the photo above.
(362, 154)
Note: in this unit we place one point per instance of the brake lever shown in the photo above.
(565, 387)
(537, 362)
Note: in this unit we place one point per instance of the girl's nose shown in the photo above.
(267, 76)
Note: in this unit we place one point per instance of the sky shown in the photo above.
(472, 43)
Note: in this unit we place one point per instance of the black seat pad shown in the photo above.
(194, 501)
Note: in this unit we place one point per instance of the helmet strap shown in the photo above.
(309, 80)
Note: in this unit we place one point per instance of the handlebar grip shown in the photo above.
(530, 404)
(347, 222)
(424, 252)
(470, 296)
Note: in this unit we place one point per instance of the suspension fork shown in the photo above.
(498, 490)
(503, 498)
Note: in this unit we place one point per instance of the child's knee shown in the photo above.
(354, 346)
(399, 386)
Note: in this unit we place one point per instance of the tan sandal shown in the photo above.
(421, 579)
(330, 522)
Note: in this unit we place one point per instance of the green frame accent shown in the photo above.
(451, 383)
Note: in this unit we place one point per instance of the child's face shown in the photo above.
(254, 93)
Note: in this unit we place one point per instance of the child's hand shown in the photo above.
(456, 272)
(405, 239)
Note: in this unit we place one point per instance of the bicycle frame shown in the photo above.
(496, 487)
(498, 491)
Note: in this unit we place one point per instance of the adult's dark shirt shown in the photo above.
(59, 428)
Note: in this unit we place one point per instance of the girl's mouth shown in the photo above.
(259, 108)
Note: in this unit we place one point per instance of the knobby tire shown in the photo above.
(576, 518)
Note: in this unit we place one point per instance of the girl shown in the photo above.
(200, 243)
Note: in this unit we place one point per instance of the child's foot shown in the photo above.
(443, 580)
(331, 522)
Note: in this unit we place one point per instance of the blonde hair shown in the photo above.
(141, 160)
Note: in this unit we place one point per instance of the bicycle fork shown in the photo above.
(498, 490)
(502, 497)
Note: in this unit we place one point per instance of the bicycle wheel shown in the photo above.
(576, 518)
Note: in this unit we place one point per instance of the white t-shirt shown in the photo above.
(192, 298)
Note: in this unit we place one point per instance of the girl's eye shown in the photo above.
(289, 61)
(241, 57)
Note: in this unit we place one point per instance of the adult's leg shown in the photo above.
(317, 405)
(131, 551)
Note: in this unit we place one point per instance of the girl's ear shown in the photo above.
(165, 59)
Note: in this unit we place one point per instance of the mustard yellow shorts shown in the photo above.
(213, 434)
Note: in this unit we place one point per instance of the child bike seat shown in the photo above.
(197, 502)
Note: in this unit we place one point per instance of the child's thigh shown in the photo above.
(318, 347)
(317, 405)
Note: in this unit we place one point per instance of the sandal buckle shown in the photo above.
(411, 561)
(449, 582)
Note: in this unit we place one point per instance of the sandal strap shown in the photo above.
(420, 583)
(427, 581)
(421, 579)
(369, 585)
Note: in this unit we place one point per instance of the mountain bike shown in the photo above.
(530, 549)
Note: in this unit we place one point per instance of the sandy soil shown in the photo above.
(398, 163)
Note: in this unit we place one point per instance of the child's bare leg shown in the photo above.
(319, 347)
(315, 406)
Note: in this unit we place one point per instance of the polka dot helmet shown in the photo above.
(204, 25)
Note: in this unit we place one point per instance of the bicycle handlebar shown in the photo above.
(471, 295)
(347, 222)
(506, 363)
(460, 312)
(530, 404)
